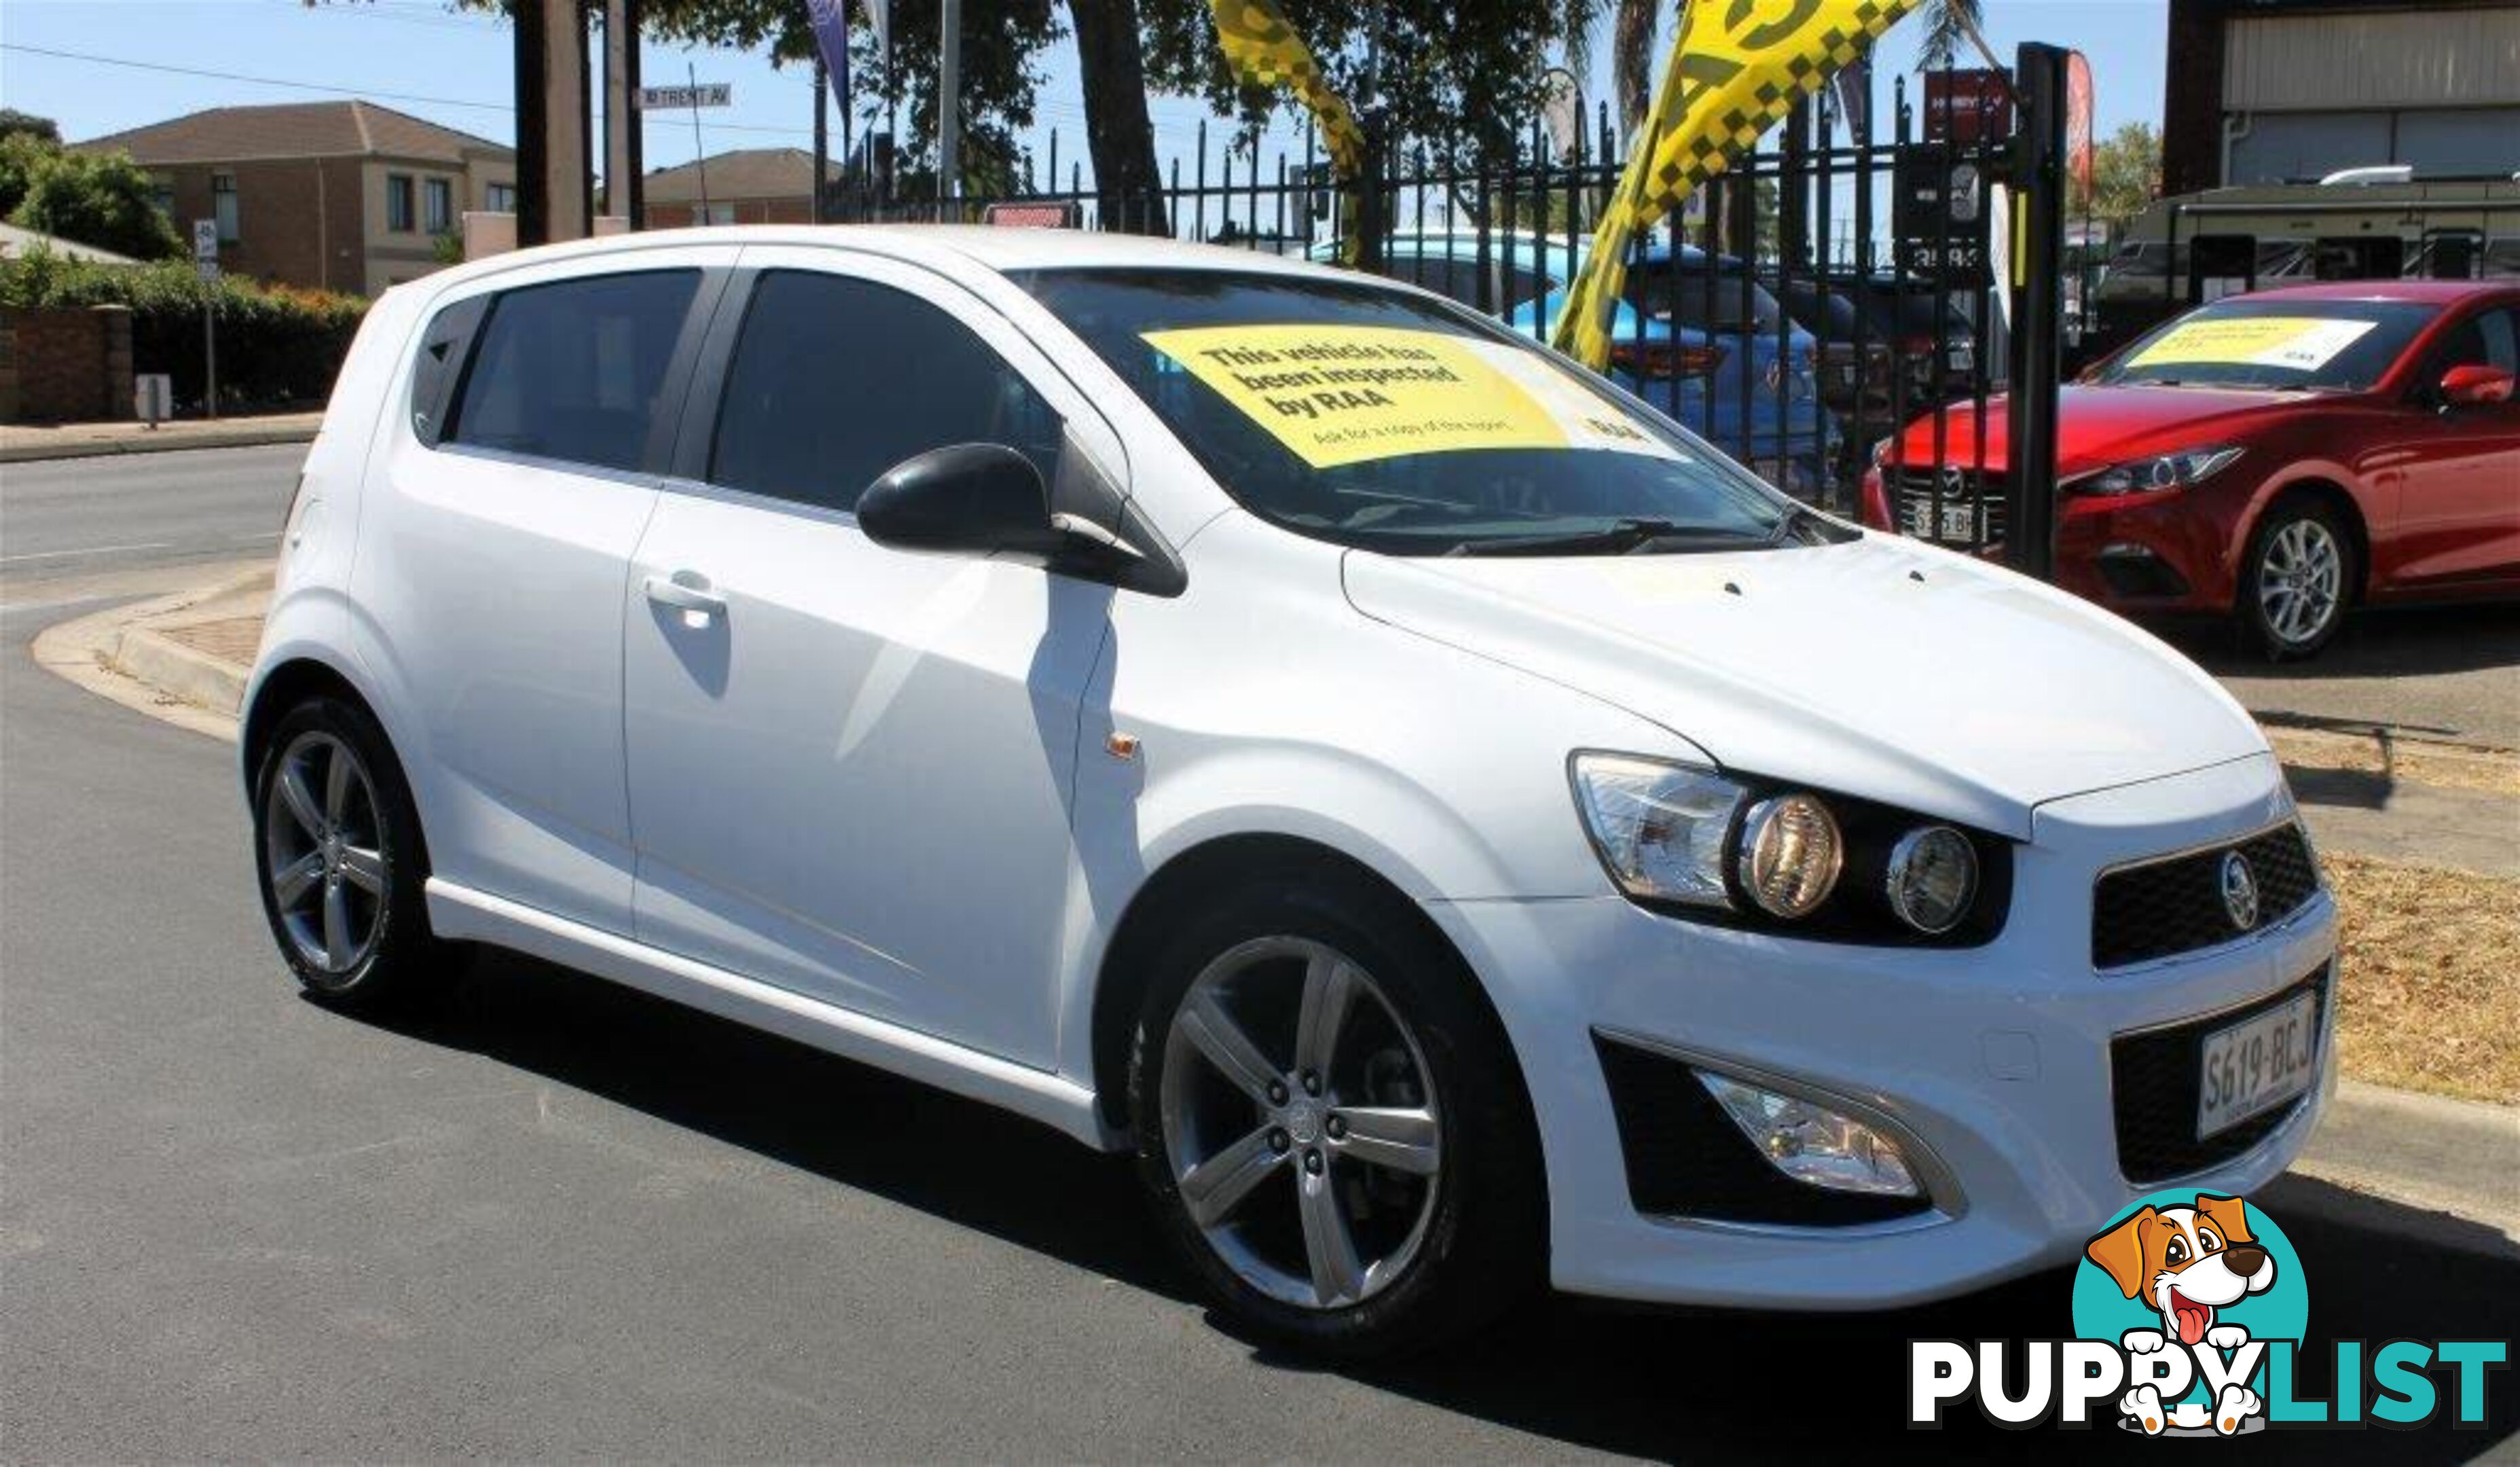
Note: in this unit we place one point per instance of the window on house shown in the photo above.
(223, 206)
(715, 213)
(440, 197)
(500, 198)
(398, 202)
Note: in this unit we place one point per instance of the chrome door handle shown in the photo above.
(685, 591)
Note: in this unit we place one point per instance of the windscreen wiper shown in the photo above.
(1621, 538)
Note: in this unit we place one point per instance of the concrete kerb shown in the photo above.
(163, 442)
(120, 654)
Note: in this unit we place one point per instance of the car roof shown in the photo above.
(946, 246)
(2412, 291)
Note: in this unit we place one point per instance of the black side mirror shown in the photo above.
(975, 499)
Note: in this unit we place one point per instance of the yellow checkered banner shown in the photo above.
(1264, 51)
(1736, 68)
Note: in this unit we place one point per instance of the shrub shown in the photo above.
(278, 344)
(100, 199)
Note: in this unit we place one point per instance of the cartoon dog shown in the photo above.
(2187, 1263)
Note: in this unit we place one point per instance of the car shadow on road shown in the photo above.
(1657, 1383)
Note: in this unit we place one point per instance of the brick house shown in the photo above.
(343, 196)
(749, 186)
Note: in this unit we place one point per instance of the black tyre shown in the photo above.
(338, 858)
(2298, 578)
(1331, 1124)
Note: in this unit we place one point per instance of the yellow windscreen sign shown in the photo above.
(2304, 343)
(1347, 394)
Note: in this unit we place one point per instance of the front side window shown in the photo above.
(2484, 339)
(223, 206)
(398, 202)
(1374, 418)
(835, 380)
(2269, 341)
(442, 206)
(572, 371)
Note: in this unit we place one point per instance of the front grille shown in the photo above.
(2171, 906)
(1950, 507)
(1687, 1159)
(2153, 1077)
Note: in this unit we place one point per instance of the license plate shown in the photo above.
(1959, 521)
(1774, 470)
(2257, 1064)
(1962, 358)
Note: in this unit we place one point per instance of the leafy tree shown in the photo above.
(15, 123)
(22, 155)
(1002, 41)
(1459, 79)
(98, 199)
(2126, 174)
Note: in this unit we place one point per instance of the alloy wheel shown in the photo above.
(2301, 580)
(1300, 1124)
(323, 854)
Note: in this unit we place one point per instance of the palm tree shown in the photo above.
(1946, 27)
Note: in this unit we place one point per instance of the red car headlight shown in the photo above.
(2166, 471)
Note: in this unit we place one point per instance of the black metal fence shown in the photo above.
(1833, 287)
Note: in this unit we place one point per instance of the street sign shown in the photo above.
(704, 94)
(1938, 211)
(205, 250)
(1967, 106)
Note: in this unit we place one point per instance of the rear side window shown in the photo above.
(835, 380)
(572, 371)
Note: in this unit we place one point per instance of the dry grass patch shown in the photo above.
(2452, 766)
(2430, 997)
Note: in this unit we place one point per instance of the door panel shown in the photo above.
(2459, 501)
(854, 780)
(492, 582)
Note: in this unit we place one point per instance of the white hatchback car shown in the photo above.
(1459, 829)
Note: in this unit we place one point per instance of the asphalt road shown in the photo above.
(134, 511)
(560, 1220)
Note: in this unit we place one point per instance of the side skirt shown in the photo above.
(462, 914)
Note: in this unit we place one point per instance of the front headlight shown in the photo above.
(1735, 850)
(2167, 471)
(1660, 828)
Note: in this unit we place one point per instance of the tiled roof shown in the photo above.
(296, 129)
(748, 173)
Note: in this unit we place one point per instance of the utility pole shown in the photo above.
(822, 139)
(949, 102)
(2037, 271)
(622, 188)
(700, 152)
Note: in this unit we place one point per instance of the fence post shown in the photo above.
(2037, 273)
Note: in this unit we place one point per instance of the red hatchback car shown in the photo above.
(2278, 456)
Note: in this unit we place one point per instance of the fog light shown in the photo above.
(1933, 879)
(1813, 1144)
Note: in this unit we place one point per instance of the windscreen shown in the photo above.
(2272, 342)
(1378, 419)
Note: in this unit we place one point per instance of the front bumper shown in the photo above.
(1995, 1060)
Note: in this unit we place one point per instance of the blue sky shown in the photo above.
(453, 67)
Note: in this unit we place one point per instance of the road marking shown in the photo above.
(61, 554)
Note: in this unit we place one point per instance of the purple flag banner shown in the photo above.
(831, 22)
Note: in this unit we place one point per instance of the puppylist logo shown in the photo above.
(2190, 1311)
